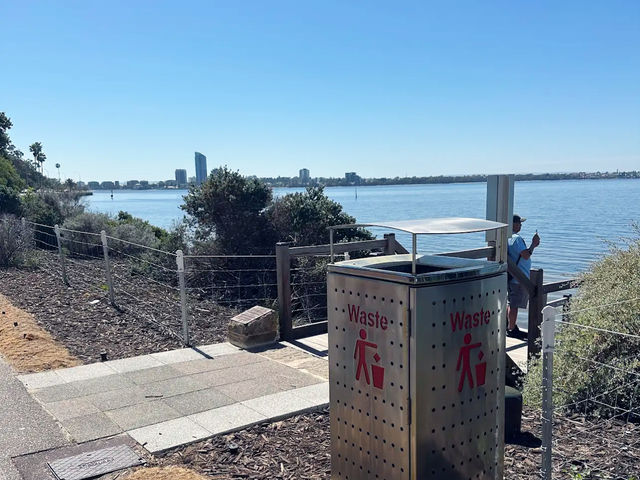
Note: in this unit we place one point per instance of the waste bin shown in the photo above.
(416, 362)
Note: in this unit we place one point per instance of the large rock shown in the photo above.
(254, 327)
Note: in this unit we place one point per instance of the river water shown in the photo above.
(576, 219)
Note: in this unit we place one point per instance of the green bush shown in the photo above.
(608, 299)
(88, 243)
(16, 240)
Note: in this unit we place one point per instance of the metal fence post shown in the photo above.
(107, 268)
(283, 272)
(183, 297)
(63, 267)
(537, 301)
(548, 345)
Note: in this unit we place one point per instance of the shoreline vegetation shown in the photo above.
(295, 182)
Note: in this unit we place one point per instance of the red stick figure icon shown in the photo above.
(360, 355)
(464, 358)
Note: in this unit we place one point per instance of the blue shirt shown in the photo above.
(516, 245)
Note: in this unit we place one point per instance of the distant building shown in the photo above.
(352, 177)
(94, 185)
(170, 183)
(192, 179)
(132, 183)
(144, 183)
(304, 176)
(181, 176)
(117, 183)
(201, 168)
(106, 185)
(81, 184)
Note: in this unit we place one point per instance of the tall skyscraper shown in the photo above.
(201, 168)
(304, 176)
(181, 176)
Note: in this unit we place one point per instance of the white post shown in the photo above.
(107, 268)
(183, 297)
(500, 209)
(548, 346)
(65, 279)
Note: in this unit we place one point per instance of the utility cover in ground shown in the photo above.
(95, 463)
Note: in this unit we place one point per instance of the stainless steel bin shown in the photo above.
(416, 367)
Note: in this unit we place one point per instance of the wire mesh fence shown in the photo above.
(591, 393)
(176, 293)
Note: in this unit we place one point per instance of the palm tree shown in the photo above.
(38, 155)
(58, 167)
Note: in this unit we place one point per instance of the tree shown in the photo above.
(38, 155)
(5, 125)
(10, 187)
(229, 209)
(304, 218)
(70, 184)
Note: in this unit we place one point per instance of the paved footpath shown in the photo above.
(24, 426)
(172, 398)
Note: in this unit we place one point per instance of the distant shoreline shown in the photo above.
(634, 175)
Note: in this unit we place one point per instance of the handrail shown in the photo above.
(337, 247)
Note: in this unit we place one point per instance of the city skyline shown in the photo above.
(419, 88)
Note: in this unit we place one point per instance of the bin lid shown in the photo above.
(433, 226)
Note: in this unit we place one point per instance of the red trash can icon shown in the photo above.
(378, 376)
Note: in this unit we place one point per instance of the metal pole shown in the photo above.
(183, 297)
(331, 243)
(548, 345)
(414, 241)
(107, 268)
(65, 279)
(283, 272)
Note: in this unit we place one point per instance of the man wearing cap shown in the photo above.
(518, 296)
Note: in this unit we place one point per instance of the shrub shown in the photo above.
(16, 239)
(86, 243)
(608, 299)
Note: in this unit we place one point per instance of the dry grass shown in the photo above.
(164, 473)
(27, 346)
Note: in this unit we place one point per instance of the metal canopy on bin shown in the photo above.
(426, 226)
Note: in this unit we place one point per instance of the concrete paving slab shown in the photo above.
(91, 427)
(287, 378)
(103, 384)
(149, 375)
(41, 380)
(228, 418)
(74, 407)
(56, 393)
(217, 349)
(172, 387)
(280, 404)
(85, 372)
(114, 399)
(215, 378)
(198, 366)
(247, 389)
(200, 401)
(318, 393)
(142, 414)
(162, 436)
(132, 364)
(177, 356)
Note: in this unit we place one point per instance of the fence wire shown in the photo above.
(595, 409)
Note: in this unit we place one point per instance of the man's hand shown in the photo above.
(535, 241)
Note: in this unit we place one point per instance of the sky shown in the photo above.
(123, 90)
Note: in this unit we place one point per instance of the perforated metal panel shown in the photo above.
(369, 378)
(457, 346)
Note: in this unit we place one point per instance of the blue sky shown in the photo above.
(130, 89)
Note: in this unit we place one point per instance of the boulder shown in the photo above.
(253, 328)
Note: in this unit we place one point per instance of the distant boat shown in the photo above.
(356, 193)
(111, 194)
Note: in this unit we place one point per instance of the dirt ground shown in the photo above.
(26, 345)
(81, 317)
(164, 473)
